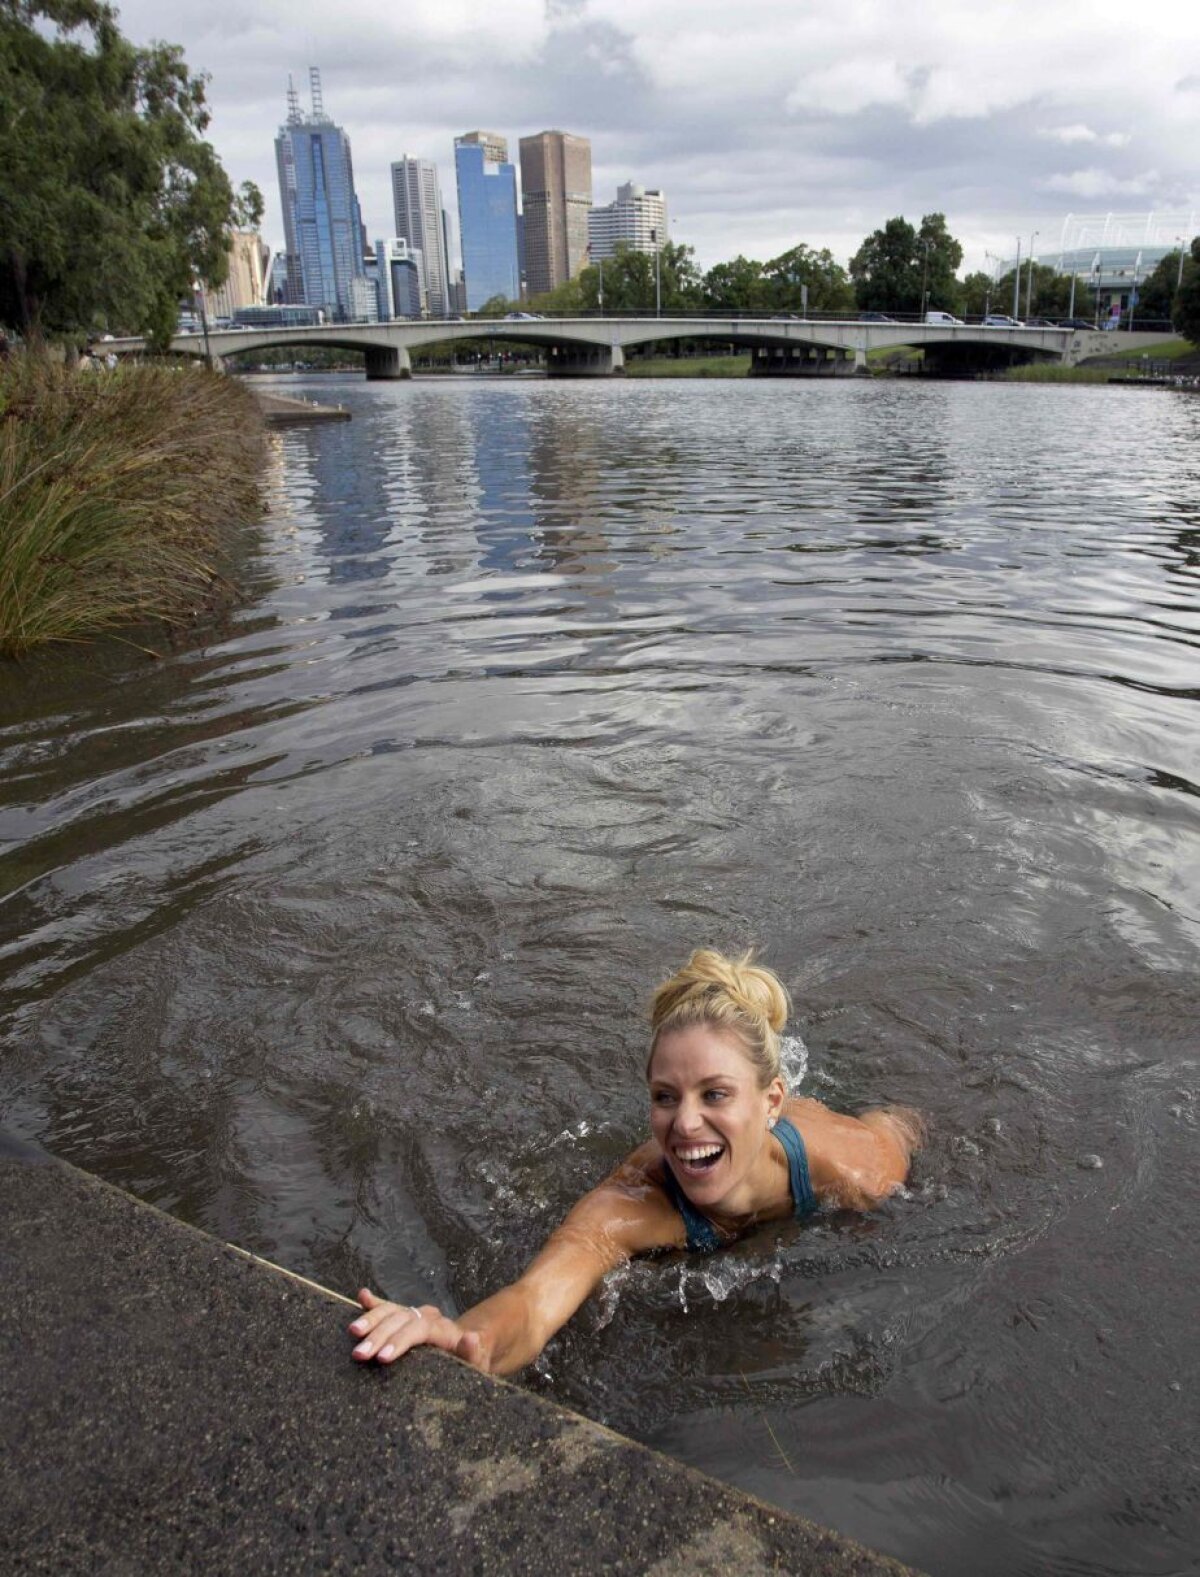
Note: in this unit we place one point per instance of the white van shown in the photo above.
(946, 318)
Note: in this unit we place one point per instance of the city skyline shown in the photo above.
(766, 127)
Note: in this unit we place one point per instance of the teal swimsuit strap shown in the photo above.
(803, 1197)
(702, 1236)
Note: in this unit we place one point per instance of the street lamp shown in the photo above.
(1179, 275)
(991, 258)
(924, 278)
(1017, 283)
(657, 274)
(1029, 284)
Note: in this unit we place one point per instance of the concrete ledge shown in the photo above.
(281, 411)
(172, 1404)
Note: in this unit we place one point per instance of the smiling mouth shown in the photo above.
(693, 1160)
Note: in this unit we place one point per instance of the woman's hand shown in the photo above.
(388, 1330)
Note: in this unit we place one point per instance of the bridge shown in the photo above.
(595, 347)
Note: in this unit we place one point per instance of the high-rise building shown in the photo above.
(322, 221)
(556, 188)
(638, 219)
(420, 221)
(399, 268)
(247, 281)
(487, 217)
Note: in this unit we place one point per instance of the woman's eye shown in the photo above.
(715, 1095)
(662, 1097)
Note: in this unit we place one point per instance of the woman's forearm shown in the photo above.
(511, 1334)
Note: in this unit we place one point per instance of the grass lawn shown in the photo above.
(689, 367)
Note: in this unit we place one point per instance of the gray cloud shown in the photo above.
(765, 123)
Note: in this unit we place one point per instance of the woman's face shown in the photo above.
(709, 1113)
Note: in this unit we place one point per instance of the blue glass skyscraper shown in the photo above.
(487, 217)
(322, 221)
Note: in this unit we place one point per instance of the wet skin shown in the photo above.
(709, 1120)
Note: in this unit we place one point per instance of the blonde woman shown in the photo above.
(730, 1149)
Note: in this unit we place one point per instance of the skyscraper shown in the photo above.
(638, 219)
(487, 217)
(322, 221)
(556, 188)
(417, 196)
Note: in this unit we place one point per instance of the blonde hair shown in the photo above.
(729, 993)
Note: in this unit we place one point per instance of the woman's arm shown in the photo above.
(626, 1215)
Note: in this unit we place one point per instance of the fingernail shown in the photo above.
(363, 1349)
(358, 1327)
(388, 1352)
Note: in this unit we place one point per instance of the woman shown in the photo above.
(730, 1149)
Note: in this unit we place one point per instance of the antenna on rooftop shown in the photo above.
(293, 103)
(314, 81)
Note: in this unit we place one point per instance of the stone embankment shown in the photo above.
(173, 1404)
(281, 410)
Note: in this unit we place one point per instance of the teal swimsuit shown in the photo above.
(702, 1236)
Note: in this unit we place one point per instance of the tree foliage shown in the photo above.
(626, 282)
(1048, 295)
(112, 205)
(1185, 313)
(898, 268)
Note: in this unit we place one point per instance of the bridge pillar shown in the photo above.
(584, 361)
(387, 362)
(806, 361)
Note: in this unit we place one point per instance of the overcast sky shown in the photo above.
(766, 122)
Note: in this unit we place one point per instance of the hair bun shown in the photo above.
(714, 988)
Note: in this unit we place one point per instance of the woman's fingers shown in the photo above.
(392, 1329)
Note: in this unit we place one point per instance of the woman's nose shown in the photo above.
(688, 1118)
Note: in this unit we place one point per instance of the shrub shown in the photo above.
(121, 495)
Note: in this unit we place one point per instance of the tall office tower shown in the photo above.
(419, 221)
(487, 217)
(556, 187)
(322, 220)
(638, 219)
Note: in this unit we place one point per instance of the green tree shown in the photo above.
(828, 284)
(1050, 296)
(564, 301)
(886, 270)
(1156, 293)
(899, 267)
(1185, 313)
(979, 295)
(496, 307)
(940, 256)
(111, 204)
(737, 286)
(626, 282)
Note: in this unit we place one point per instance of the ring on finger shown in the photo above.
(414, 1311)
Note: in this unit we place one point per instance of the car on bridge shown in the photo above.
(998, 320)
(1075, 323)
(874, 317)
(944, 318)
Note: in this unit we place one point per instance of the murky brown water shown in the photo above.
(332, 936)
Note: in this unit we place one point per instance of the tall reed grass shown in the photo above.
(122, 496)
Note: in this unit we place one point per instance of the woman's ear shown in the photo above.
(776, 1095)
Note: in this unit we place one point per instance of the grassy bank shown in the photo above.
(123, 496)
(688, 367)
(1053, 372)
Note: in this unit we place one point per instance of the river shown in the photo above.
(333, 934)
